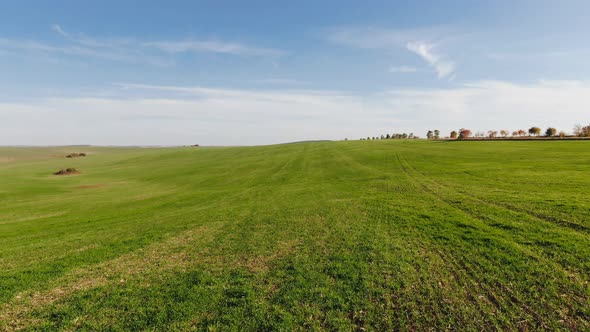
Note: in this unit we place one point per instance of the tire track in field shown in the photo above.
(548, 218)
(410, 172)
(537, 215)
(460, 264)
(460, 270)
(542, 255)
(468, 198)
(463, 275)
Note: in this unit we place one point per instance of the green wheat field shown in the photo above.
(351, 236)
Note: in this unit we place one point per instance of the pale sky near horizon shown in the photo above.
(263, 72)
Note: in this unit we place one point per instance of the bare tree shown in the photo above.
(581, 131)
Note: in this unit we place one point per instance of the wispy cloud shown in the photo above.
(537, 54)
(57, 28)
(127, 50)
(443, 68)
(214, 46)
(81, 46)
(280, 81)
(403, 69)
(417, 41)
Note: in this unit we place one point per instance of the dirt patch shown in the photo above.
(260, 263)
(67, 171)
(76, 155)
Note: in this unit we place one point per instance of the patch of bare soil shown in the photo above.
(76, 155)
(67, 171)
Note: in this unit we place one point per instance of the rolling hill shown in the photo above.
(375, 235)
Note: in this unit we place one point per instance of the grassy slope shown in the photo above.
(327, 235)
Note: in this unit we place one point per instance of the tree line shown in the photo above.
(579, 131)
(392, 136)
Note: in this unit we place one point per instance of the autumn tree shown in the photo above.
(504, 132)
(550, 132)
(464, 133)
(515, 133)
(535, 131)
(453, 134)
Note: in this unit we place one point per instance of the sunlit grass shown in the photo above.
(379, 235)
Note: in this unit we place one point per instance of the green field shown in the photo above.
(375, 235)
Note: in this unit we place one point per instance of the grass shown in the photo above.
(377, 235)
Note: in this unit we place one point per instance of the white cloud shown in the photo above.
(182, 115)
(212, 46)
(127, 50)
(403, 69)
(390, 39)
(128, 55)
(280, 81)
(425, 50)
(57, 28)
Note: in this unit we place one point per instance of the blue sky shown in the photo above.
(261, 72)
